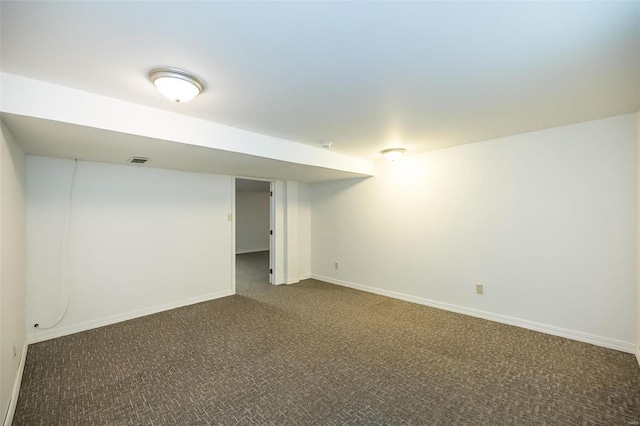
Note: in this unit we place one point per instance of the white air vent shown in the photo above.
(138, 160)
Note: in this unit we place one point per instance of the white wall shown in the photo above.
(638, 239)
(12, 263)
(252, 221)
(141, 240)
(545, 220)
(292, 234)
(304, 231)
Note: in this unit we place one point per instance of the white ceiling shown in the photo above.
(364, 75)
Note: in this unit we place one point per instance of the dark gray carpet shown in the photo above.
(314, 353)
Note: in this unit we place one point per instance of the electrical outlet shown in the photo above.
(336, 266)
(230, 217)
(479, 288)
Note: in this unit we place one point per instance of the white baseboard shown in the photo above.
(638, 354)
(42, 335)
(300, 278)
(8, 420)
(251, 250)
(530, 325)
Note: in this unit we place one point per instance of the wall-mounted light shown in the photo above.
(177, 85)
(393, 154)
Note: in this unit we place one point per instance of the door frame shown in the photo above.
(275, 234)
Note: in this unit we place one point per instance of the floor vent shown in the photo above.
(138, 160)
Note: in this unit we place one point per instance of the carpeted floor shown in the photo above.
(315, 353)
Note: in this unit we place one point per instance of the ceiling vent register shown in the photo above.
(138, 160)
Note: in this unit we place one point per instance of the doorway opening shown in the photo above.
(254, 235)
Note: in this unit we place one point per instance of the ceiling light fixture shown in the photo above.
(177, 85)
(393, 154)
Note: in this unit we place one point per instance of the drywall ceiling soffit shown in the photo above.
(365, 75)
(64, 140)
(238, 148)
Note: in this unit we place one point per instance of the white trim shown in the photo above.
(16, 387)
(638, 354)
(530, 325)
(272, 232)
(233, 235)
(252, 250)
(278, 250)
(40, 336)
(300, 278)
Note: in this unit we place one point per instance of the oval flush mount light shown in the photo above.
(177, 85)
(393, 154)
